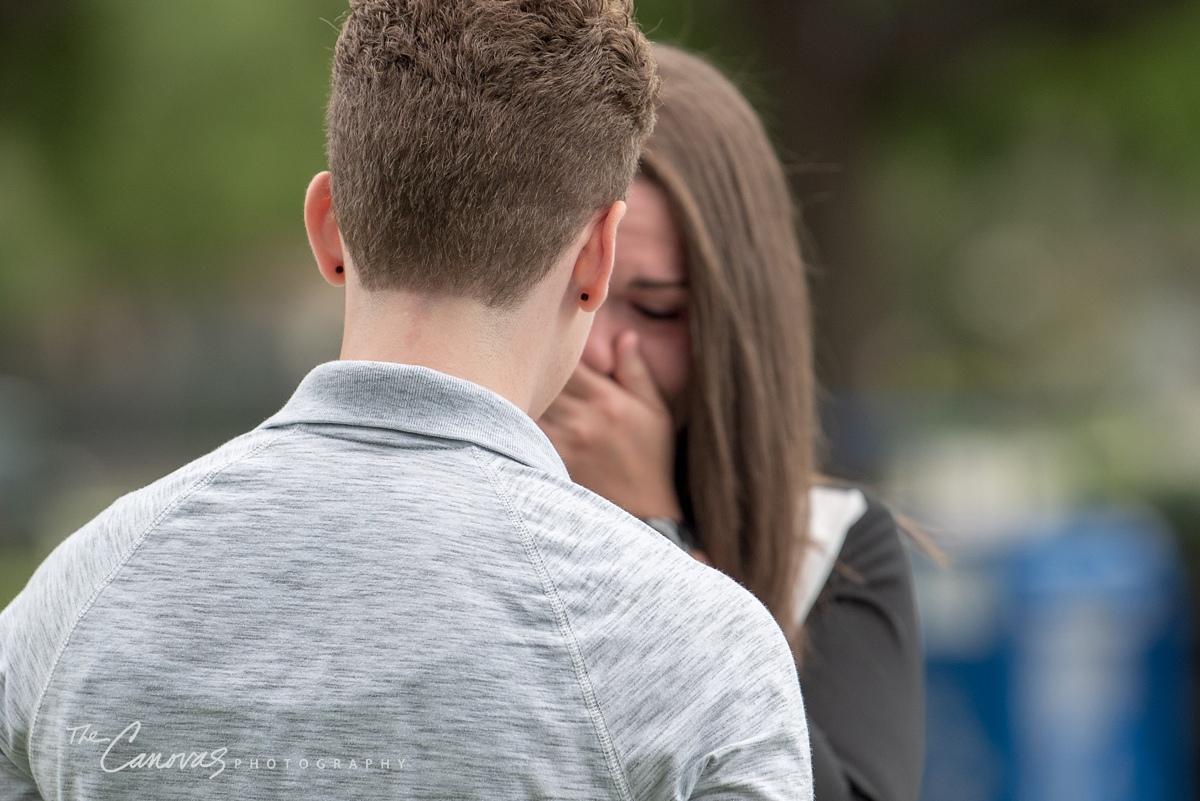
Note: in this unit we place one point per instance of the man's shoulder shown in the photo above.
(546, 503)
(35, 626)
(121, 525)
(622, 580)
(86, 558)
(652, 624)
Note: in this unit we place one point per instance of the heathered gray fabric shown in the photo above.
(390, 589)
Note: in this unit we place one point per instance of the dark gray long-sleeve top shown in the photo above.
(863, 675)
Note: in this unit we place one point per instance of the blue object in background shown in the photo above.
(1058, 666)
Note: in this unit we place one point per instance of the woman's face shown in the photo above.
(648, 294)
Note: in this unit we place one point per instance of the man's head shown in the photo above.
(471, 140)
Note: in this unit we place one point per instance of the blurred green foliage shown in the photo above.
(1134, 86)
(1034, 205)
(141, 141)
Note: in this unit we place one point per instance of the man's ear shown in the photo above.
(323, 233)
(594, 264)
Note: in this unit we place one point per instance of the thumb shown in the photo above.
(632, 372)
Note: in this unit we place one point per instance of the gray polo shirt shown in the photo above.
(390, 589)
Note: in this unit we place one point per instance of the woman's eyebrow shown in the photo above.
(650, 283)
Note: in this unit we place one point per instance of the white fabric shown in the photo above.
(832, 511)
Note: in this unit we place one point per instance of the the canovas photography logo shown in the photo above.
(122, 753)
(117, 754)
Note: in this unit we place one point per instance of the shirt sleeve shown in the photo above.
(17, 646)
(863, 671)
(14, 786)
(733, 724)
(758, 769)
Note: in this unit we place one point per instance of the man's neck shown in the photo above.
(452, 335)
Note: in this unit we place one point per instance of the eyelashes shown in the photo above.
(658, 314)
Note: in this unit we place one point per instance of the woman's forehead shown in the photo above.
(649, 244)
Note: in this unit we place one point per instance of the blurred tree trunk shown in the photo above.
(815, 53)
(833, 63)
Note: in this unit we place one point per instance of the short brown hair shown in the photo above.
(470, 140)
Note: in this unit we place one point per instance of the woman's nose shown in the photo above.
(599, 353)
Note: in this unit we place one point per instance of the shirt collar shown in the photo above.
(417, 400)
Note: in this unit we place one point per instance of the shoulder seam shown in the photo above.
(191, 490)
(607, 744)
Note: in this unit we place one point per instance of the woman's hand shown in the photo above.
(616, 435)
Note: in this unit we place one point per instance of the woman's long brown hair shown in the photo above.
(751, 421)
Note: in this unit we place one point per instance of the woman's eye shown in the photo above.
(659, 314)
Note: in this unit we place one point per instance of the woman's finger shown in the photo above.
(564, 407)
(586, 383)
(633, 373)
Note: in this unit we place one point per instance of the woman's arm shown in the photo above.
(862, 673)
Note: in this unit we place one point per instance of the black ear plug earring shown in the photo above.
(583, 296)
(338, 269)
